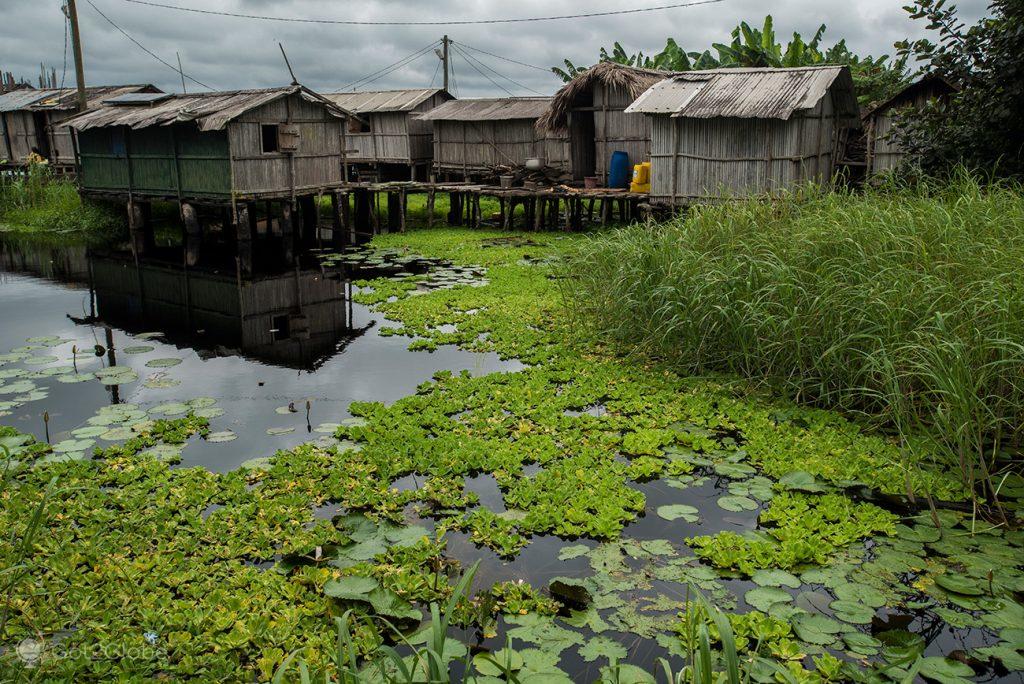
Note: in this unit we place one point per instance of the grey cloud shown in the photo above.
(233, 53)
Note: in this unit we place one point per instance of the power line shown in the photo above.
(491, 69)
(454, 22)
(437, 69)
(144, 48)
(496, 84)
(369, 78)
(507, 59)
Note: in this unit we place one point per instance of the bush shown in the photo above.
(905, 304)
(46, 207)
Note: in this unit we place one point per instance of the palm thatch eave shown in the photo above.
(610, 74)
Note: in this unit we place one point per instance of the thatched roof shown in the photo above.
(610, 74)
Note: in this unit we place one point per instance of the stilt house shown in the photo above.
(725, 133)
(883, 152)
(387, 141)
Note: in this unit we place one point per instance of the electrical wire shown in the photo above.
(457, 22)
(462, 54)
(451, 70)
(468, 57)
(369, 78)
(144, 48)
(437, 69)
(546, 70)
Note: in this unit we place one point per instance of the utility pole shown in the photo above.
(444, 58)
(76, 42)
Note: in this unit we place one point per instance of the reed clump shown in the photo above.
(39, 205)
(904, 304)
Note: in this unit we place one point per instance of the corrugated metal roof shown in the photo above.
(210, 111)
(372, 102)
(764, 93)
(66, 99)
(489, 109)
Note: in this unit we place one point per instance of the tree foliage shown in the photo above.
(876, 78)
(981, 126)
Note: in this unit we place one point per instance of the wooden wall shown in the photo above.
(316, 162)
(159, 161)
(698, 159)
(395, 137)
(21, 135)
(478, 146)
(884, 154)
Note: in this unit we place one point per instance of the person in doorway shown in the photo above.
(36, 157)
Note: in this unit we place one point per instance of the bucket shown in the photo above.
(506, 181)
(618, 170)
(590, 182)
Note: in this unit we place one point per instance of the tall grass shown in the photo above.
(905, 304)
(41, 205)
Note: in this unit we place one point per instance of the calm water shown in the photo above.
(288, 337)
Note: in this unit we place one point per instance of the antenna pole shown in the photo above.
(444, 58)
(76, 42)
(288, 64)
(182, 72)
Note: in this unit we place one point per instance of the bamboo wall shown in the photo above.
(616, 131)
(479, 146)
(316, 162)
(884, 154)
(700, 159)
(395, 137)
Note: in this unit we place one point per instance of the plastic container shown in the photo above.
(590, 182)
(618, 170)
(506, 181)
(641, 178)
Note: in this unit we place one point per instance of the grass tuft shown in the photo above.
(905, 304)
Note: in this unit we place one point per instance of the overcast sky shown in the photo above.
(227, 52)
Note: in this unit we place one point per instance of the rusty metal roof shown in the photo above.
(64, 99)
(751, 93)
(210, 111)
(489, 109)
(377, 101)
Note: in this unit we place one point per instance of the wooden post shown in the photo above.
(455, 209)
(363, 223)
(308, 226)
(340, 219)
(243, 238)
(193, 234)
(431, 197)
(137, 228)
(287, 233)
(403, 200)
(394, 212)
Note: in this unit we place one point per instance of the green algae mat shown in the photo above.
(599, 493)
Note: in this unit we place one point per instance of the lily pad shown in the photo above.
(575, 551)
(960, 584)
(220, 437)
(602, 647)
(801, 481)
(71, 445)
(139, 349)
(853, 611)
(280, 431)
(945, 670)
(737, 503)
(764, 598)
(679, 511)
(776, 578)
(163, 363)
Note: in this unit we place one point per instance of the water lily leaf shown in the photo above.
(960, 584)
(763, 598)
(202, 402)
(355, 588)
(862, 643)
(900, 646)
(159, 382)
(776, 578)
(280, 431)
(117, 434)
(853, 611)
(498, 663)
(866, 594)
(163, 363)
(327, 428)
(75, 378)
(138, 349)
(542, 630)
(624, 673)
(41, 360)
(817, 629)
(208, 413)
(737, 503)
(220, 437)
(801, 481)
(148, 335)
(1011, 658)
(735, 471)
(602, 647)
(70, 445)
(285, 410)
(657, 547)
(575, 551)
(945, 670)
(168, 453)
(48, 340)
(262, 463)
(89, 431)
(120, 378)
(679, 511)
(174, 408)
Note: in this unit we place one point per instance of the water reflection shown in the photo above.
(297, 319)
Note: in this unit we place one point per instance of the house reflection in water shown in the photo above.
(296, 319)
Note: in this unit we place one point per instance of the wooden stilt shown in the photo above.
(403, 199)
(287, 233)
(431, 198)
(193, 234)
(242, 229)
(137, 228)
(394, 212)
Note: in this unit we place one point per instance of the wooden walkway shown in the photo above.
(542, 208)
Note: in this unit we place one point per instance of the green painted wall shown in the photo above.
(157, 156)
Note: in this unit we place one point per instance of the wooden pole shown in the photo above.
(76, 44)
(243, 238)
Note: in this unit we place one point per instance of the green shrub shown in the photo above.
(904, 304)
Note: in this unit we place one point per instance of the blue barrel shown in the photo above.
(619, 173)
